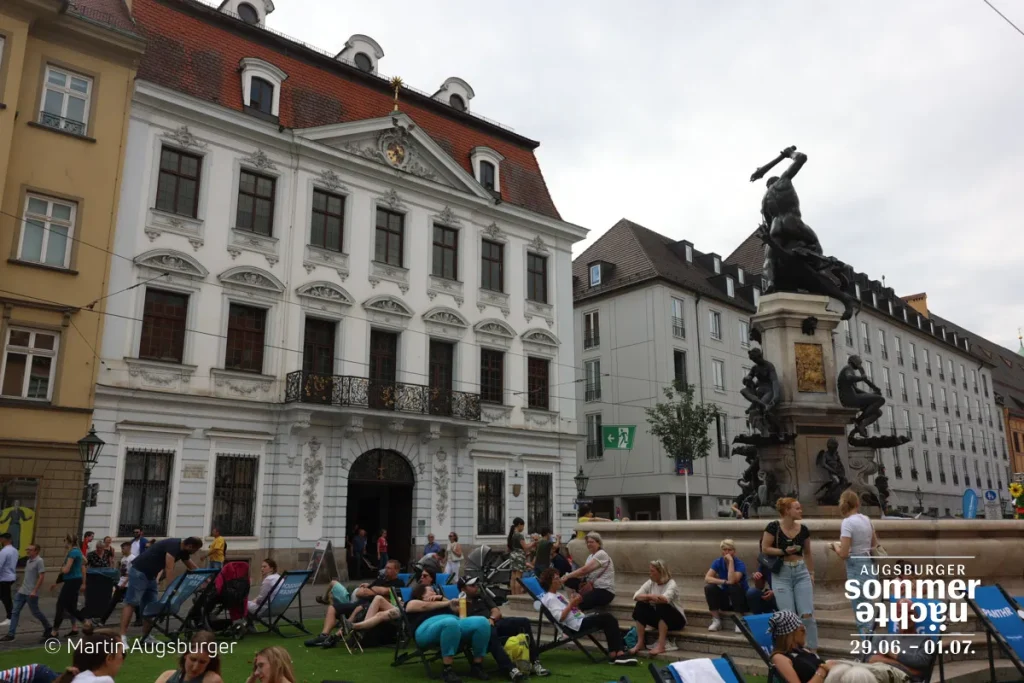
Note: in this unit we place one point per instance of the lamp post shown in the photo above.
(581, 484)
(920, 499)
(89, 447)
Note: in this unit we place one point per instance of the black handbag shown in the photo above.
(772, 563)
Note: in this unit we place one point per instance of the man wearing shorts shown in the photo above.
(159, 558)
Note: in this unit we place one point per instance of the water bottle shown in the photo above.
(462, 605)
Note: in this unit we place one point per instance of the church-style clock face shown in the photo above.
(396, 153)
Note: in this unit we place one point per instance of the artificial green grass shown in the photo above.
(313, 665)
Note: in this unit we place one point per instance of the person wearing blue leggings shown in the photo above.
(433, 624)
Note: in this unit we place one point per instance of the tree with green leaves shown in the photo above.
(683, 424)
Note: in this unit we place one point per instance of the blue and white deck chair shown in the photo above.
(272, 610)
(925, 627)
(1003, 619)
(413, 652)
(168, 605)
(754, 628)
(721, 670)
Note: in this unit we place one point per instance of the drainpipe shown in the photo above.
(700, 382)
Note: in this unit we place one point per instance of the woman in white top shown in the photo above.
(454, 555)
(857, 541)
(600, 572)
(270, 584)
(657, 606)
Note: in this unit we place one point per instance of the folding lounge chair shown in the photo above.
(271, 611)
(167, 606)
(754, 628)
(925, 627)
(721, 670)
(413, 651)
(562, 636)
(1002, 617)
(405, 578)
(444, 579)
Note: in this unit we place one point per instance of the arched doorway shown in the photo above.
(380, 484)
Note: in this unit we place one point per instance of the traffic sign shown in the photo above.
(684, 466)
(618, 437)
(992, 508)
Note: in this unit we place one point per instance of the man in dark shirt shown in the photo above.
(358, 551)
(159, 558)
(363, 597)
(502, 628)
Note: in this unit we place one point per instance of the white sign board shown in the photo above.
(993, 510)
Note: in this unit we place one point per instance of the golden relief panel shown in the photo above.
(810, 369)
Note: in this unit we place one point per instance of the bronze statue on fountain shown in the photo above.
(829, 461)
(869, 403)
(761, 388)
(794, 260)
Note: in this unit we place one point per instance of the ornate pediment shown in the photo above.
(445, 316)
(539, 336)
(495, 327)
(390, 305)
(250, 277)
(325, 296)
(171, 261)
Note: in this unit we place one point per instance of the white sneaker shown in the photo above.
(716, 625)
(5, 622)
(671, 647)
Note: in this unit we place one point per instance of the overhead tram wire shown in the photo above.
(1005, 18)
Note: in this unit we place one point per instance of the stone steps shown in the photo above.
(695, 641)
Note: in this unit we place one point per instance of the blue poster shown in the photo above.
(970, 504)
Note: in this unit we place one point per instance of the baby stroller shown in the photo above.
(221, 605)
(491, 568)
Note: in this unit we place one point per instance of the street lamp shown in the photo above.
(89, 447)
(920, 499)
(581, 484)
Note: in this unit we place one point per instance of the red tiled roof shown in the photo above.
(193, 49)
(113, 13)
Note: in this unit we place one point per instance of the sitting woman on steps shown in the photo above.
(658, 606)
(598, 589)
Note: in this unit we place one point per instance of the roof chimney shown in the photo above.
(919, 302)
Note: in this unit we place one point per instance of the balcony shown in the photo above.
(962, 446)
(942, 375)
(928, 476)
(984, 449)
(967, 480)
(899, 358)
(913, 475)
(899, 472)
(913, 364)
(678, 328)
(932, 404)
(956, 480)
(950, 443)
(591, 339)
(904, 396)
(974, 448)
(360, 392)
(924, 437)
(888, 391)
(942, 477)
(975, 388)
(592, 392)
(945, 409)
(988, 484)
(938, 440)
(920, 402)
(965, 384)
(957, 412)
(928, 370)
(885, 353)
(980, 421)
(61, 123)
(866, 344)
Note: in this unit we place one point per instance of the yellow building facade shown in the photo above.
(67, 72)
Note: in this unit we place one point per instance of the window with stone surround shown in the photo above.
(164, 319)
(490, 503)
(29, 363)
(234, 494)
(328, 220)
(247, 326)
(177, 188)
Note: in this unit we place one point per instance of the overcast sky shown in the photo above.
(911, 114)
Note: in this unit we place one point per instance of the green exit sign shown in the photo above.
(618, 437)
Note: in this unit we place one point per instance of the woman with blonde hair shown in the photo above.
(599, 588)
(857, 541)
(272, 665)
(199, 665)
(658, 605)
(793, 584)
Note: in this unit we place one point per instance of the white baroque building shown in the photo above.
(317, 326)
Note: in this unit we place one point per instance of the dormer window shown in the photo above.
(261, 87)
(261, 96)
(943, 334)
(248, 13)
(717, 264)
(363, 62)
(874, 299)
(486, 164)
(931, 326)
(730, 287)
(757, 297)
(904, 315)
(457, 102)
(487, 173)
(456, 93)
(595, 275)
(739, 275)
(689, 254)
(890, 306)
(918, 322)
(856, 290)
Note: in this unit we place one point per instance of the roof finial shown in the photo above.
(883, 281)
(396, 85)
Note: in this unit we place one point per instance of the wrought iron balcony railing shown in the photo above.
(360, 392)
(62, 123)
(591, 339)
